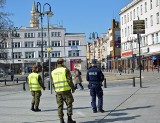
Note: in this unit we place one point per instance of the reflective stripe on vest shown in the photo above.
(59, 79)
(33, 82)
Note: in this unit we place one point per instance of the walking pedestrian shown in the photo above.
(77, 79)
(63, 85)
(12, 75)
(95, 78)
(35, 85)
(120, 69)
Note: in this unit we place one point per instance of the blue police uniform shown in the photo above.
(95, 78)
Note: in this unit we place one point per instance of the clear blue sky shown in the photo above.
(77, 16)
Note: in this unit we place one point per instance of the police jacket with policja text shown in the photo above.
(94, 75)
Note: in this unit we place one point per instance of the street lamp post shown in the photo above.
(13, 34)
(49, 14)
(140, 65)
(41, 14)
(93, 36)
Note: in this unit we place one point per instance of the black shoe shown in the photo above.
(32, 109)
(94, 111)
(62, 120)
(102, 111)
(70, 120)
(37, 109)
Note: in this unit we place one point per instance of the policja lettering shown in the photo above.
(92, 73)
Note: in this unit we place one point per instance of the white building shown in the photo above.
(148, 10)
(27, 47)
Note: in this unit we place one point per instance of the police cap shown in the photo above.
(94, 63)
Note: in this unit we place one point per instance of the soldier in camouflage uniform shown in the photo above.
(63, 86)
(36, 85)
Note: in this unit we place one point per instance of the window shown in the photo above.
(17, 55)
(56, 54)
(141, 9)
(134, 14)
(146, 38)
(40, 34)
(16, 44)
(157, 14)
(73, 43)
(146, 23)
(55, 34)
(128, 31)
(122, 33)
(127, 17)
(44, 54)
(145, 4)
(29, 44)
(151, 21)
(131, 16)
(157, 2)
(39, 43)
(3, 45)
(73, 53)
(122, 20)
(157, 41)
(150, 4)
(152, 38)
(137, 11)
(3, 55)
(55, 43)
(28, 35)
(29, 54)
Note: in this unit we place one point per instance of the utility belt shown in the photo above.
(94, 85)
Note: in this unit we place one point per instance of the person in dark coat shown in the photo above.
(95, 78)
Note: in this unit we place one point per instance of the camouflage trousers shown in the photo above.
(66, 97)
(36, 97)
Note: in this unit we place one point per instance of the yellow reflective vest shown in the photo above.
(59, 80)
(33, 82)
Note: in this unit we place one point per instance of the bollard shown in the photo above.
(133, 81)
(105, 84)
(17, 80)
(24, 88)
(5, 81)
(48, 85)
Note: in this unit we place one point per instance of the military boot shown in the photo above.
(70, 120)
(32, 107)
(62, 120)
(37, 109)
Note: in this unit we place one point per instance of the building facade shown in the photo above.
(147, 10)
(107, 48)
(25, 48)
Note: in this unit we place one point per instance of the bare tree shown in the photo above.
(5, 24)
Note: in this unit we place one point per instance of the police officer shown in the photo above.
(63, 85)
(95, 78)
(36, 85)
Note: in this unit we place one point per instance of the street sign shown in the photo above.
(154, 58)
(138, 26)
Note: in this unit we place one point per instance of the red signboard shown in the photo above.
(127, 53)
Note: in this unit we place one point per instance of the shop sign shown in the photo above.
(127, 53)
